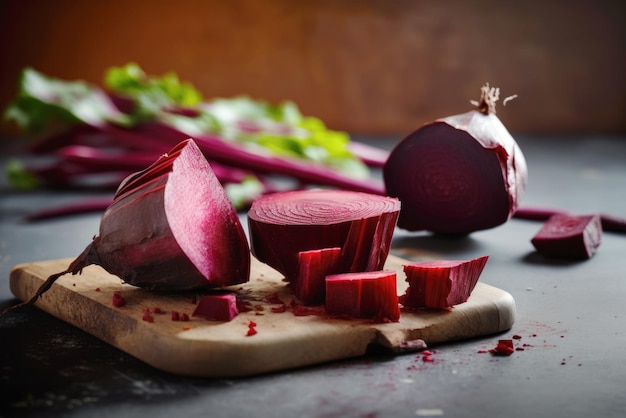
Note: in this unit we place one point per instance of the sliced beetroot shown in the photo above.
(459, 174)
(569, 236)
(282, 225)
(310, 284)
(370, 294)
(217, 307)
(441, 284)
(170, 226)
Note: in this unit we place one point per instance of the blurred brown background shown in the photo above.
(368, 67)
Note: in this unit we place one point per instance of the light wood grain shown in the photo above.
(222, 349)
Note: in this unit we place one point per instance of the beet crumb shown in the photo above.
(175, 316)
(97, 289)
(147, 317)
(184, 317)
(516, 337)
(251, 329)
(158, 310)
(504, 348)
(118, 300)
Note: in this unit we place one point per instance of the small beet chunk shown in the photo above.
(370, 294)
(217, 307)
(441, 284)
(569, 236)
(310, 285)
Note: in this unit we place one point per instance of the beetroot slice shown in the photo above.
(282, 225)
(370, 294)
(459, 174)
(569, 236)
(217, 307)
(441, 284)
(310, 285)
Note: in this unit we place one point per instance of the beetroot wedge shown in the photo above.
(441, 284)
(370, 294)
(310, 285)
(169, 227)
(282, 225)
(569, 236)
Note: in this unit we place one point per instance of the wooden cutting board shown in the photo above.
(283, 340)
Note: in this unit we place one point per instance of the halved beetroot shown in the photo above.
(441, 284)
(569, 236)
(370, 294)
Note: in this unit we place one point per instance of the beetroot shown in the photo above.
(217, 307)
(459, 174)
(282, 225)
(370, 294)
(569, 236)
(441, 284)
(310, 285)
(170, 226)
(503, 348)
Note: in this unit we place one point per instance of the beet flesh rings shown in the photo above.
(282, 225)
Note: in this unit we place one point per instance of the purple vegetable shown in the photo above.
(459, 174)
(170, 226)
(569, 236)
(310, 284)
(370, 294)
(282, 225)
(441, 284)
